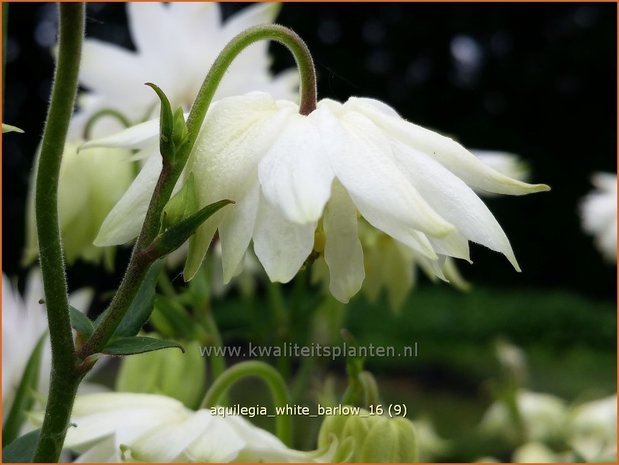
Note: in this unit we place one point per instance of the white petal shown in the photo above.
(199, 244)
(446, 151)
(98, 72)
(125, 220)
(105, 451)
(126, 415)
(236, 230)
(253, 15)
(167, 442)
(343, 252)
(281, 245)
(454, 201)
(219, 443)
(146, 20)
(361, 158)
(295, 174)
(140, 136)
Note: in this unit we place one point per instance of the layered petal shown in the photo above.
(295, 173)
(454, 201)
(360, 156)
(126, 218)
(281, 245)
(446, 151)
(343, 252)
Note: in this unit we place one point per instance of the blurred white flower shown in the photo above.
(599, 214)
(505, 163)
(592, 430)
(287, 172)
(534, 452)
(24, 321)
(114, 427)
(91, 182)
(176, 43)
(543, 417)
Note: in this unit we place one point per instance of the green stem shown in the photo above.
(273, 380)
(218, 363)
(106, 112)
(65, 377)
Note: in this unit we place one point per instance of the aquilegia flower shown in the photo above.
(115, 427)
(291, 174)
(23, 323)
(599, 214)
(176, 44)
(91, 182)
(592, 429)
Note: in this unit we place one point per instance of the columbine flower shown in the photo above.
(114, 427)
(290, 174)
(592, 430)
(23, 323)
(599, 214)
(543, 417)
(91, 183)
(175, 47)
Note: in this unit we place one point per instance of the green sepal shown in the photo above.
(166, 124)
(24, 399)
(8, 128)
(81, 323)
(22, 449)
(176, 235)
(138, 345)
(182, 205)
(142, 305)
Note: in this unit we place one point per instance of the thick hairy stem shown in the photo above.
(65, 377)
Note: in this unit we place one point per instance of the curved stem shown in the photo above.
(274, 32)
(109, 112)
(64, 376)
(273, 380)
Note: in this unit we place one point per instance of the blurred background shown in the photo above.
(537, 80)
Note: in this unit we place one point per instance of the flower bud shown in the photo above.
(169, 372)
(363, 437)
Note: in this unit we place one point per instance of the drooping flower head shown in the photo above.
(291, 175)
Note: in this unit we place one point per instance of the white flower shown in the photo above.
(543, 417)
(175, 47)
(114, 427)
(599, 214)
(593, 429)
(290, 174)
(534, 452)
(90, 183)
(24, 321)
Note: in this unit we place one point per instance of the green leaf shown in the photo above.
(9, 128)
(138, 345)
(142, 305)
(22, 449)
(176, 235)
(81, 323)
(166, 125)
(23, 397)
